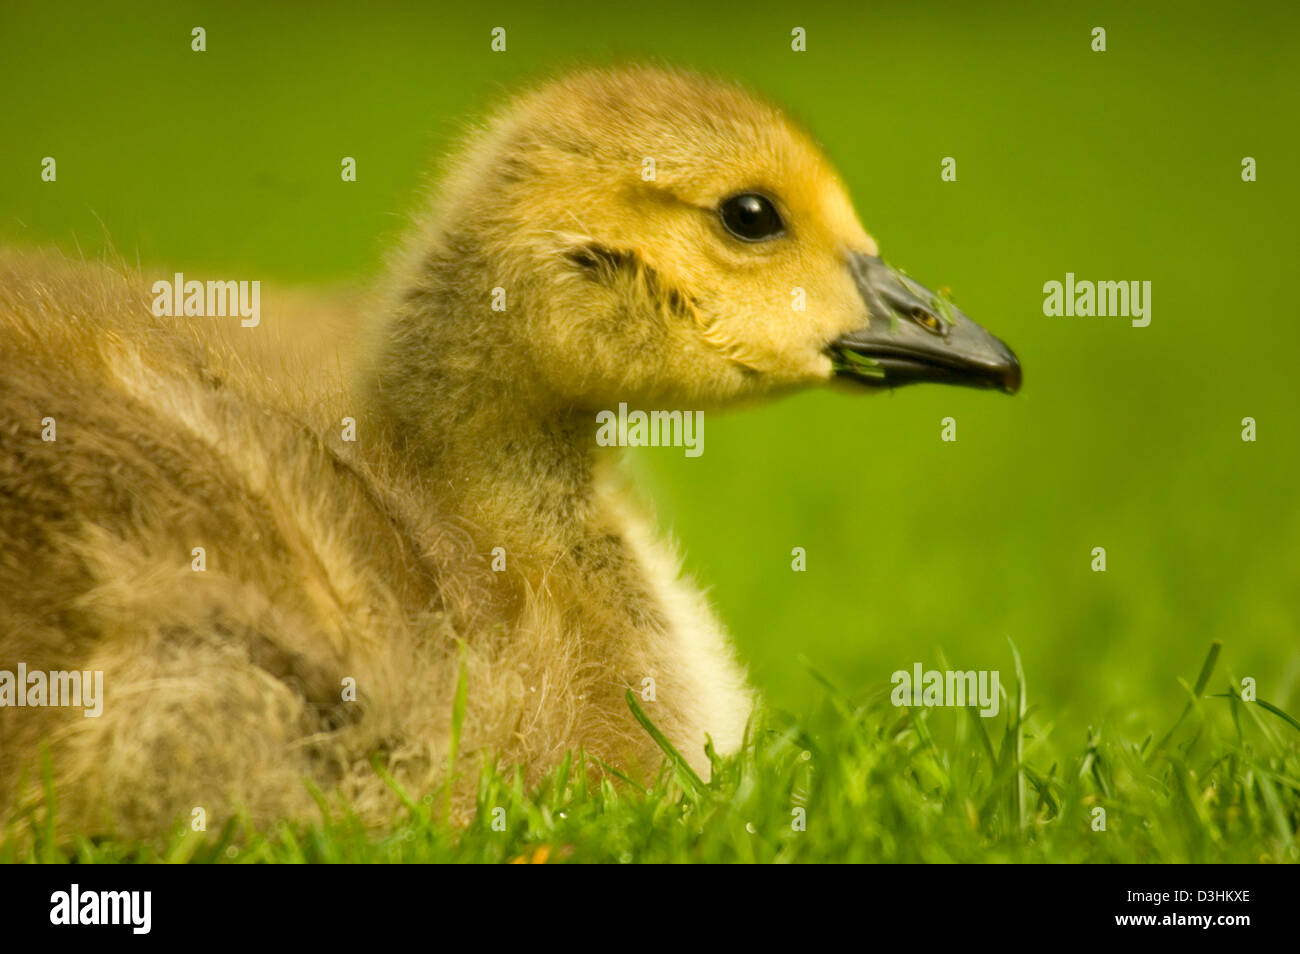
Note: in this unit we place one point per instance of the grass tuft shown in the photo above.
(855, 780)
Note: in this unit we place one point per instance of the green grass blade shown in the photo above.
(689, 779)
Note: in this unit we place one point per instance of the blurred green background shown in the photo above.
(1120, 165)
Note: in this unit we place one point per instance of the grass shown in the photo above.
(857, 781)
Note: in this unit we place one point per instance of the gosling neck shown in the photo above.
(523, 474)
(480, 436)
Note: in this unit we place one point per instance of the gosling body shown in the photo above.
(274, 599)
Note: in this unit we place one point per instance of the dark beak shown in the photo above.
(913, 334)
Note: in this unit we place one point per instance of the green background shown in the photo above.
(1123, 165)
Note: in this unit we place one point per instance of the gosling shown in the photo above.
(276, 600)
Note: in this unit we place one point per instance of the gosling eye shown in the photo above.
(750, 217)
(928, 321)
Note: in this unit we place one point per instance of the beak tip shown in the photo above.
(1011, 376)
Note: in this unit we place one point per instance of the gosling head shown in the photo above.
(666, 239)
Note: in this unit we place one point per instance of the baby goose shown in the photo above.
(618, 236)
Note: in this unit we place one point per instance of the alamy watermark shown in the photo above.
(624, 428)
(1085, 299)
(213, 299)
(947, 687)
(57, 688)
(133, 909)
